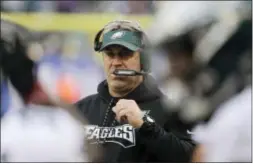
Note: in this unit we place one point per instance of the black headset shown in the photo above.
(144, 58)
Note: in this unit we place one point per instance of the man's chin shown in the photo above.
(118, 84)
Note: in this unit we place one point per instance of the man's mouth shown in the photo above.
(112, 72)
(115, 76)
(122, 77)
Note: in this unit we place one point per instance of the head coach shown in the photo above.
(127, 118)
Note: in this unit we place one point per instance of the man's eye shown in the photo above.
(126, 53)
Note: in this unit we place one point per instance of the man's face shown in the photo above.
(119, 57)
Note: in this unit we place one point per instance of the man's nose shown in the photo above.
(116, 60)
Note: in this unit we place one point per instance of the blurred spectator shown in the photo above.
(115, 6)
(138, 7)
(69, 61)
(85, 6)
(13, 5)
(66, 6)
(52, 44)
(41, 6)
(123, 7)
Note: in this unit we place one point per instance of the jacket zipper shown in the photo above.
(105, 121)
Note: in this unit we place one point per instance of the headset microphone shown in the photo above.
(127, 72)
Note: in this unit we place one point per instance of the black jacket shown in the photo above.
(123, 143)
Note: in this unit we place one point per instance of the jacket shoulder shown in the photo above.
(84, 104)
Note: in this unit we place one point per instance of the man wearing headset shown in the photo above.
(127, 116)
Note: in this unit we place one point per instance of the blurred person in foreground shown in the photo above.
(209, 49)
(127, 117)
(44, 129)
(10, 96)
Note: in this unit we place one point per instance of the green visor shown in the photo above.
(128, 39)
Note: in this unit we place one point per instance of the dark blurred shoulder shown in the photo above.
(84, 104)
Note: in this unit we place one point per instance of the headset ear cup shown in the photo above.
(144, 56)
(97, 43)
(145, 61)
(97, 46)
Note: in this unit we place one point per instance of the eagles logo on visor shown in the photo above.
(118, 35)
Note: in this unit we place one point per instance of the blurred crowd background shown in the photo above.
(62, 44)
(123, 7)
